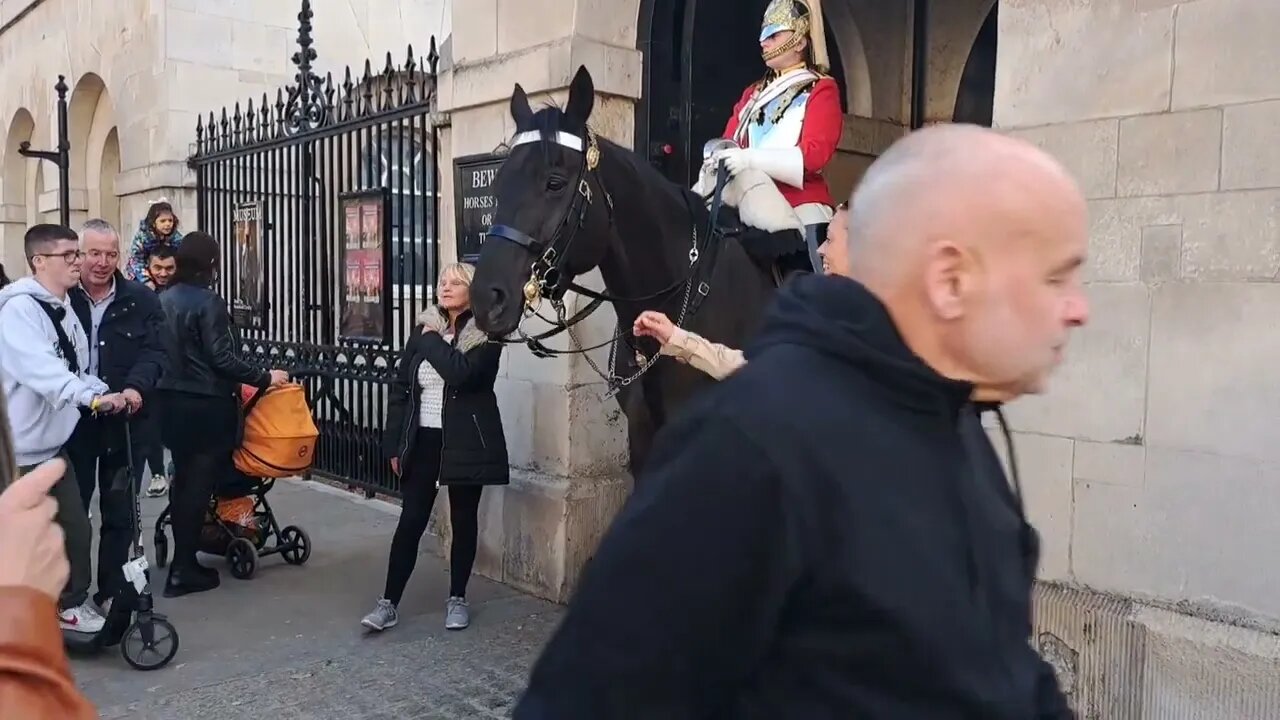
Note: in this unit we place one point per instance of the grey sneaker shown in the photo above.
(457, 616)
(383, 616)
(159, 486)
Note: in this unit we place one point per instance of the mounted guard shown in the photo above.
(788, 124)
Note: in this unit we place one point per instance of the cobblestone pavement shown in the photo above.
(287, 645)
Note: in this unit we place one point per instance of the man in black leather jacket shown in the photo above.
(123, 320)
(200, 402)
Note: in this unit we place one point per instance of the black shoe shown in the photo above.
(203, 571)
(184, 582)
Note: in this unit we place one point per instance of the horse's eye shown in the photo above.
(556, 183)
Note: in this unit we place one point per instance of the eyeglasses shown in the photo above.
(69, 256)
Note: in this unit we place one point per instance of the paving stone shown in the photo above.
(286, 644)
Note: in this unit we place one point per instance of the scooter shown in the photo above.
(147, 640)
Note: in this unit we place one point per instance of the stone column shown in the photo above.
(1150, 468)
(567, 444)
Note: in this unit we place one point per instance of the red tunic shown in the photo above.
(819, 137)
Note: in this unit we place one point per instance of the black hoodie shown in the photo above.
(827, 533)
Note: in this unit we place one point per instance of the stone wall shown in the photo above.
(1151, 467)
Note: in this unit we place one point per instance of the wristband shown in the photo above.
(93, 405)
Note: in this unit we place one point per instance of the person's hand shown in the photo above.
(279, 377)
(32, 548)
(132, 399)
(655, 325)
(395, 466)
(735, 159)
(109, 404)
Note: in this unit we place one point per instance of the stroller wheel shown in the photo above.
(301, 545)
(161, 542)
(149, 644)
(242, 556)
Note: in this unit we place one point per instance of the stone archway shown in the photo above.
(700, 55)
(103, 200)
(962, 44)
(17, 193)
(976, 94)
(90, 119)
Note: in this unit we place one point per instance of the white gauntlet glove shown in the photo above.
(785, 165)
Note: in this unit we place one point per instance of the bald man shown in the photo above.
(828, 533)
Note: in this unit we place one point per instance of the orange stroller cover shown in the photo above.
(279, 434)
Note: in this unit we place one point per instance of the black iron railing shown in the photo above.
(290, 161)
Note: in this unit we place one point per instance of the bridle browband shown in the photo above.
(548, 277)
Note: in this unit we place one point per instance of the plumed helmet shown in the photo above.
(802, 17)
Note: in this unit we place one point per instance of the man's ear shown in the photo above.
(948, 279)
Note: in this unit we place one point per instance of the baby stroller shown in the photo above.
(279, 441)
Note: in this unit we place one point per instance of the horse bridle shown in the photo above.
(547, 275)
(547, 272)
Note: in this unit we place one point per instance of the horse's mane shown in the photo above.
(551, 119)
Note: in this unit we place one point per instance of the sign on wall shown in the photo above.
(475, 201)
(249, 305)
(366, 262)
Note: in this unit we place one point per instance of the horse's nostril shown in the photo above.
(499, 297)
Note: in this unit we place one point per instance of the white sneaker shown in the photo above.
(158, 487)
(83, 619)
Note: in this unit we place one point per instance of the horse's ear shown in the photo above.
(520, 110)
(582, 96)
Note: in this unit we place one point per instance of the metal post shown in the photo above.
(64, 155)
(919, 63)
(61, 157)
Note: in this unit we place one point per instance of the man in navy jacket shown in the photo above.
(123, 320)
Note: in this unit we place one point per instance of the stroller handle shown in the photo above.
(299, 374)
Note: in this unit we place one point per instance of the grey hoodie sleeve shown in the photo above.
(27, 356)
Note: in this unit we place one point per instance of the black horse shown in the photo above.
(569, 202)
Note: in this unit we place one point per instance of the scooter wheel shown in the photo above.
(301, 545)
(161, 542)
(242, 556)
(149, 645)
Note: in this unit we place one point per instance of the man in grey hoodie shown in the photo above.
(43, 354)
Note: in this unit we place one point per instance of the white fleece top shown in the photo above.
(42, 394)
(431, 385)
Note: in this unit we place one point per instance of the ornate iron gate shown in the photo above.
(288, 164)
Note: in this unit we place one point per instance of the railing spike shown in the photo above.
(264, 125)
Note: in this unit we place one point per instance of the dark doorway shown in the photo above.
(975, 102)
(700, 56)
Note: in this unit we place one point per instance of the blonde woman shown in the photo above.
(443, 431)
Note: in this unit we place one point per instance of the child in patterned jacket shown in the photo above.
(159, 227)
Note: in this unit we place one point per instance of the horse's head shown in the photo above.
(552, 221)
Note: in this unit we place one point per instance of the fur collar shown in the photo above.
(469, 338)
(756, 197)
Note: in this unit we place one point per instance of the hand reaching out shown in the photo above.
(655, 325)
(32, 548)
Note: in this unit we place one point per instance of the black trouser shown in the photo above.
(104, 470)
(418, 496)
(78, 535)
(806, 260)
(200, 432)
(155, 447)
